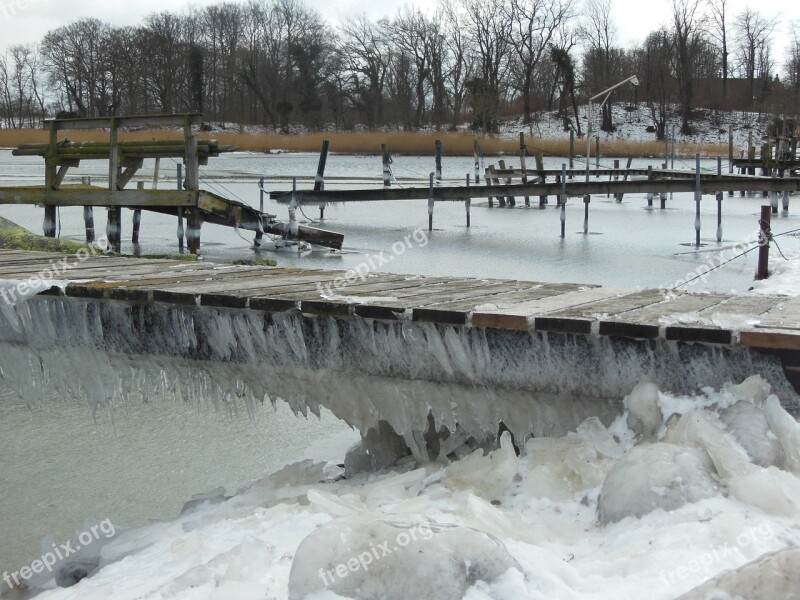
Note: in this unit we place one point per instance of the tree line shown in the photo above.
(278, 63)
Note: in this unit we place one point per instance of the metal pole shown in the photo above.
(439, 161)
(181, 231)
(588, 138)
(720, 196)
(586, 200)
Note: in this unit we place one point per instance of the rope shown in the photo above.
(715, 268)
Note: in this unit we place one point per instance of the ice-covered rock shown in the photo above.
(750, 428)
(786, 429)
(653, 476)
(644, 414)
(395, 559)
(775, 576)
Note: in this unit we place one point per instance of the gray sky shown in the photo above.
(27, 20)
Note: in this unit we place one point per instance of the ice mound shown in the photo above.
(774, 576)
(748, 425)
(488, 476)
(395, 559)
(644, 417)
(653, 476)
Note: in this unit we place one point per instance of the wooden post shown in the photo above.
(763, 242)
(477, 150)
(439, 161)
(522, 152)
(597, 154)
(180, 210)
(571, 150)
(542, 176)
(649, 193)
(563, 197)
(467, 202)
(194, 220)
(493, 179)
(51, 182)
(260, 194)
(617, 196)
(698, 195)
(586, 200)
(510, 199)
(319, 179)
(137, 217)
(663, 195)
(430, 203)
(720, 196)
(88, 219)
(730, 154)
(387, 169)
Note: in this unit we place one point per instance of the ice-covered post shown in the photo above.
(137, 217)
(730, 154)
(786, 201)
(260, 195)
(597, 155)
(522, 153)
(543, 177)
(663, 195)
(476, 147)
(571, 149)
(697, 197)
(510, 199)
(467, 201)
(763, 243)
(439, 161)
(319, 179)
(430, 204)
(650, 193)
(720, 196)
(563, 197)
(181, 232)
(586, 200)
(387, 169)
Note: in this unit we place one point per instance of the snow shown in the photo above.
(687, 507)
(784, 277)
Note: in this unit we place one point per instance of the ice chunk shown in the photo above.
(653, 476)
(786, 429)
(753, 389)
(488, 476)
(380, 448)
(774, 575)
(749, 427)
(395, 558)
(645, 417)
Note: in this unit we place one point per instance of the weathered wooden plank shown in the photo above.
(717, 324)
(133, 121)
(647, 322)
(784, 315)
(775, 339)
(523, 316)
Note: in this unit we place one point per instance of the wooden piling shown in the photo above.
(571, 149)
(88, 220)
(467, 203)
(430, 203)
(477, 150)
(319, 178)
(522, 152)
(719, 197)
(439, 161)
(387, 169)
(698, 195)
(586, 200)
(563, 198)
(730, 155)
(181, 232)
(510, 199)
(542, 176)
(763, 249)
(597, 153)
(137, 217)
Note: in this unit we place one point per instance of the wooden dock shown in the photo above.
(769, 325)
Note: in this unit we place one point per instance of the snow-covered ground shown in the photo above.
(630, 122)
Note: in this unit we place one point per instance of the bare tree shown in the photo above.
(533, 26)
(601, 65)
(687, 34)
(719, 33)
(753, 56)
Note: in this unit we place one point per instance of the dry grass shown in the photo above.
(454, 144)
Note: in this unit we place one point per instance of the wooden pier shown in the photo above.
(125, 159)
(766, 325)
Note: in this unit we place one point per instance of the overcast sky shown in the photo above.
(27, 20)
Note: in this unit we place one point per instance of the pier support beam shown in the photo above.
(563, 198)
(477, 150)
(522, 152)
(698, 196)
(467, 203)
(586, 200)
(88, 220)
(49, 224)
(114, 229)
(439, 161)
(319, 179)
(430, 204)
(387, 169)
(137, 218)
